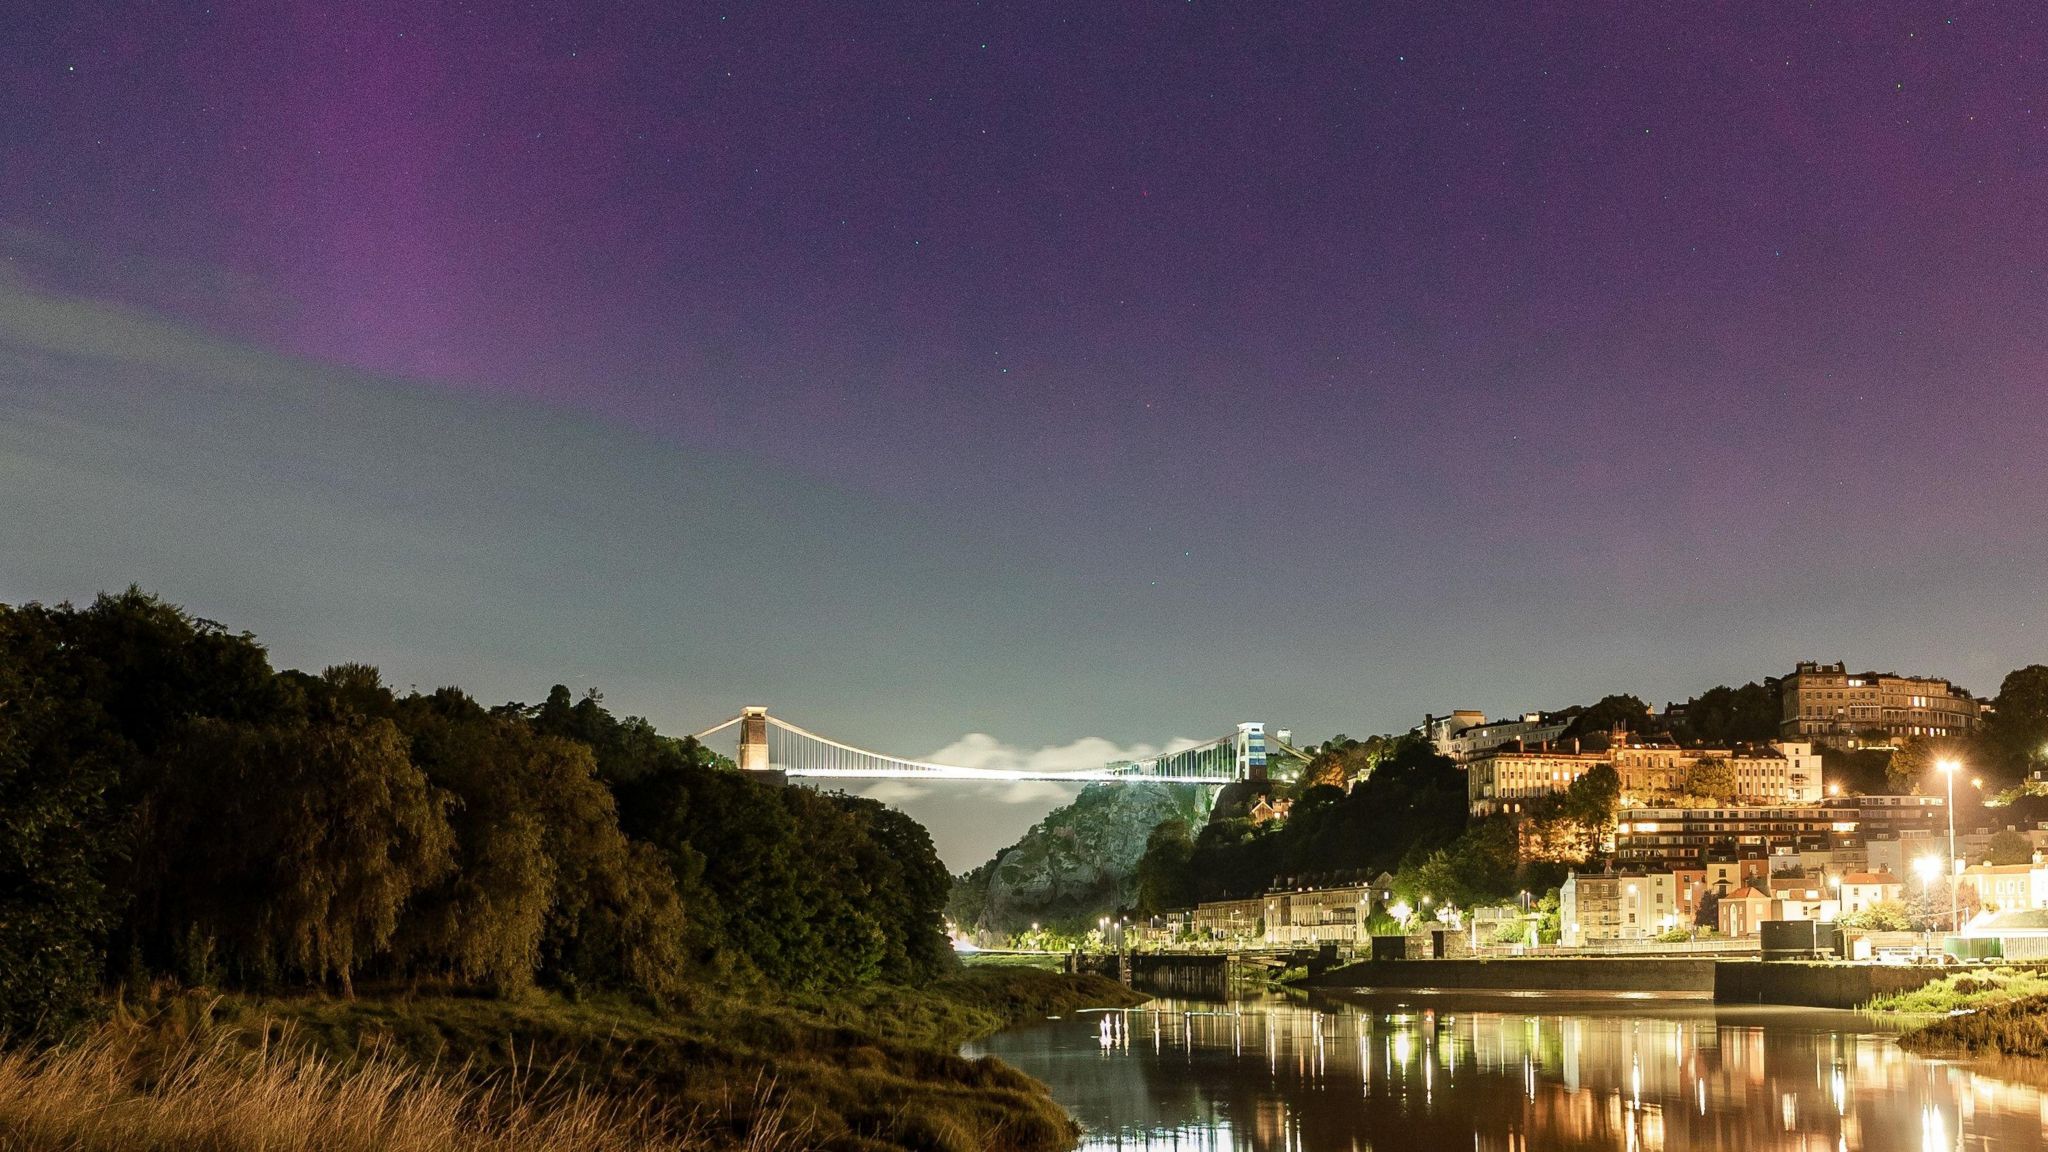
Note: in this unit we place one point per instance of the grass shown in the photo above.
(120, 1092)
(2007, 1028)
(866, 1071)
(1048, 961)
(1974, 988)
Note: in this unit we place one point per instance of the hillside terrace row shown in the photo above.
(1784, 863)
(1817, 702)
(1506, 779)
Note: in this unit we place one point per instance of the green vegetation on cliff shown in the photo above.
(1404, 813)
(1077, 864)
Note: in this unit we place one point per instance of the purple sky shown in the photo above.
(1432, 355)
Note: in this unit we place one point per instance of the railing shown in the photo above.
(1713, 946)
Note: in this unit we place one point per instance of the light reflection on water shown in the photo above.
(1514, 1076)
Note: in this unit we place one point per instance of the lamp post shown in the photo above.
(1949, 767)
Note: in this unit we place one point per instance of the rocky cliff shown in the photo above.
(1077, 864)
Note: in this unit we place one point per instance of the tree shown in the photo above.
(1592, 797)
(1882, 916)
(1340, 761)
(335, 830)
(1914, 765)
(1929, 906)
(2016, 732)
(907, 889)
(1712, 777)
(56, 766)
(1708, 914)
(1164, 882)
(1593, 725)
(1722, 716)
(2010, 847)
(1858, 771)
(483, 922)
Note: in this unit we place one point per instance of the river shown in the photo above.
(1499, 1074)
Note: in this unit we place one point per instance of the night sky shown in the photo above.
(1048, 372)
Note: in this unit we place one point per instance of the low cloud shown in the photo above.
(981, 750)
(895, 791)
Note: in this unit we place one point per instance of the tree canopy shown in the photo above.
(1722, 717)
(2016, 732)
(170, 804)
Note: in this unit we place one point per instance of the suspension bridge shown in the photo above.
(770, 744)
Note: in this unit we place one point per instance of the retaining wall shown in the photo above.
(1559, 974)
(1172, 975)
(1800, 983)
(1815, 984)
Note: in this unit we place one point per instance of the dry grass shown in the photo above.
(118, 1091)
(872, 1070)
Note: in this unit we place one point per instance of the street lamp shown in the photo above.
(1949, 766)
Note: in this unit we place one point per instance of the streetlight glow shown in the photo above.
(1949, 766)
(1927, 868)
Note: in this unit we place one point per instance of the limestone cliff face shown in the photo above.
(1077, 864)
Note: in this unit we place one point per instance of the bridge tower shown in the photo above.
(1251, 752)
(754, 739)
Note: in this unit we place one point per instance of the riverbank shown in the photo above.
(870, 1070)
(1995, 1011)
(2004, 1028)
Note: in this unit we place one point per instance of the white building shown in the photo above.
(1859, 890)
(1465, 734)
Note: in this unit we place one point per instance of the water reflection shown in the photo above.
(1440, 1073)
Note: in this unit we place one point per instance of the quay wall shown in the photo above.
(1815, 984)
(1167, 974)
(1800, 983)
(1548, 974)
